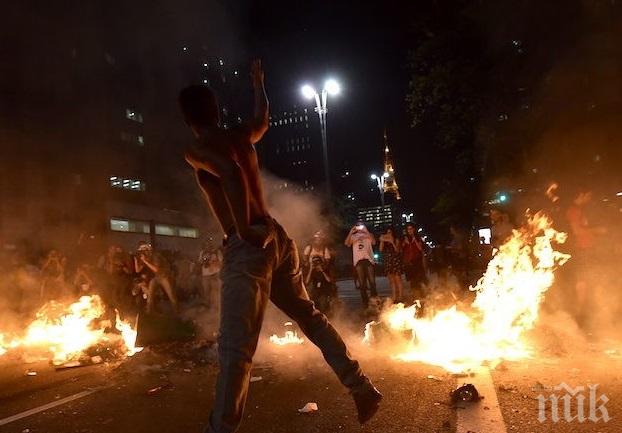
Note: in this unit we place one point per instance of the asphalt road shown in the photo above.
(169, 389)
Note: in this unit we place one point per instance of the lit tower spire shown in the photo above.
(390, 183)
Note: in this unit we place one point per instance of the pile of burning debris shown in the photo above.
(492, 329)
(69, 335)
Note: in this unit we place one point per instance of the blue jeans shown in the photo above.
(251, 276)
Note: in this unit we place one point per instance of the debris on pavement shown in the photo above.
(465, 393)
(309, 408)
(507, 388)
(30, 373)
(538, 387)
(502, 366)
(256, 378)
(159, 388)
(70, 364)
(462, 375)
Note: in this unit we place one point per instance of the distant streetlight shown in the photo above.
(380, 181)
(331, 87)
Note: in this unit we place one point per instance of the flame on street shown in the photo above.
(290, 337)
(508, 297)
(129, 336)
(63, 332)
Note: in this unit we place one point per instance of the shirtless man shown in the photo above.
(260, 261)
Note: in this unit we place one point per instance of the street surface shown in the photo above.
(170, 389)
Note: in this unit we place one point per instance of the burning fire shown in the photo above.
(129, 336)
(65, 332)
(290, 337)
(508, 298)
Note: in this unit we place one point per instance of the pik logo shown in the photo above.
(573, 404)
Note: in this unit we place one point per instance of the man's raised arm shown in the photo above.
(260, 122)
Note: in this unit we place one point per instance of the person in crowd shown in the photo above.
(260, 261)
(458, 254)
(157, 271)
(501, 227)
(211, 260)
(413, 259)
(83, 281)
(115, 270)
(53, 276)
(391, 248)
(362, 241)
(582, 243)
(317, 260)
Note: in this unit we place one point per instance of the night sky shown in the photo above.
(365, 47)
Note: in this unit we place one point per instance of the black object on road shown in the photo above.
(464, 393)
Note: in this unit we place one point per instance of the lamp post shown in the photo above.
(380, 181)
(331, 87)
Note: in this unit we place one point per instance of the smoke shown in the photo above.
(299, 212)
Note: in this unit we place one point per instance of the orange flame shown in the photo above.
(290, 337)
(508, 298)
(63, 333)
(129, 336)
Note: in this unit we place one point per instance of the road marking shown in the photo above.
(51, 405)
(474, 418)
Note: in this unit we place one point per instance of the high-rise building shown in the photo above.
(94, 138)
(378, 218)
(291, 149)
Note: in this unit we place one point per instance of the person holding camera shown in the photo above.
(413, 258)
(156, 272)
(318, 279)
(362, 241)
(53, 276)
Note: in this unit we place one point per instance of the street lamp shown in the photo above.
(380, 181)
(331, 87)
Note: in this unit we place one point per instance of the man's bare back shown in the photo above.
(227, 168)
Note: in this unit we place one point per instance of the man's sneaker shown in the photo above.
(367, 399)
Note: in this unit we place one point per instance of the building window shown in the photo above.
(135, 226)
(128, 226)
(172, 230)
(131, 184)
(133, 115)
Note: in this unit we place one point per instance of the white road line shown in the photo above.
(474, 418)
(45, 407)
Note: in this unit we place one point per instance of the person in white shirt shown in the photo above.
(362, 241)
